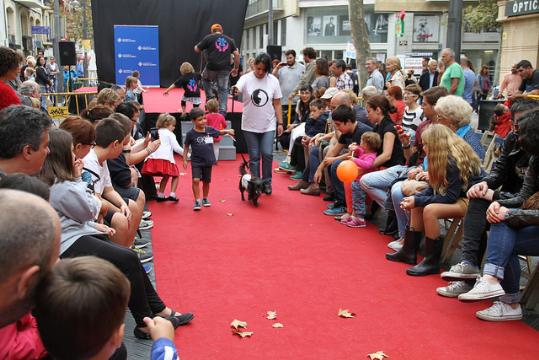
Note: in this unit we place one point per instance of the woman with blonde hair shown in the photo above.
(394, 76)
(452, 167)
(189, 81)
(109, 99)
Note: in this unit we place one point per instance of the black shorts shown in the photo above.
(128, 193)
(110, 213)
(201, 172)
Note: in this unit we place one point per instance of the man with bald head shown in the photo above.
(453, 77)
(29, 247)
(25, 140)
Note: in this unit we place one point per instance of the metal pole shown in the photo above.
(85, 36)
(454, 27)
(56, 47)
(270, 22)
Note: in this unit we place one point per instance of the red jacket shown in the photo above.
(20, 340)
(502, 125)
(8, 96)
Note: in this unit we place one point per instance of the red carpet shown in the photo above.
(155, 102)
(288, 257)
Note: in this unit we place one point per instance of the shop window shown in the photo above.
(426, 28)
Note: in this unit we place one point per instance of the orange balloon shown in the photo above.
(347, 171)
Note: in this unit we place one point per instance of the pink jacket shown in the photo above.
(365, 161)
(20, 340)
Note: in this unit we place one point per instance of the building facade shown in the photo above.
(324, 25)
(27, 25)
(520, 33)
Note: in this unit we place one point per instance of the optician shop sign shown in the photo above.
(521, 7)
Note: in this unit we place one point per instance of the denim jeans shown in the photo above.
(376, 184)
(260, 144)
(338, 185)
(503, 247)
(358, 199)
(475, 224)
(312, 166)
(221, 79)
(401, 214)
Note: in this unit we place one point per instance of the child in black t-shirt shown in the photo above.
(189, 81)
(201, 138)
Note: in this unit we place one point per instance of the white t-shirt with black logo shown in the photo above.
(98, 177)
(258, 95)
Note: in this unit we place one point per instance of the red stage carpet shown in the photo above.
(155, 102)
(288, 257)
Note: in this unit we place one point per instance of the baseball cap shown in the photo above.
(216, 27)
(329, 93)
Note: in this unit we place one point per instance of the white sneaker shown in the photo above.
(482, 290)
(395, 245)
(461, 271)
(454, 289)
(145, 225)
(500, 311)
(146, 215)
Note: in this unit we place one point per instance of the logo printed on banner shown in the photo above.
(147, 64)
(126, 56)
(120, 40)
(146, 48)
(221, 44)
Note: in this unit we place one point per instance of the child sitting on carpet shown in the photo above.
(217, 121)
(80, 311)
(363, 156)
(161, 162)
(189, 82)
(201, 138)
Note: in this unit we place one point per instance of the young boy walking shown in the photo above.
(201, 139)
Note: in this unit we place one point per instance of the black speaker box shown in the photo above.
(68, 55)
(274, 51)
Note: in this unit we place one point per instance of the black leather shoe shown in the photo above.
(179, 320)
(139, 334)
(267, 189)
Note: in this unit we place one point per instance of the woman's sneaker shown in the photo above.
(197, 206)
(454, 289)
(206, 203)
(482, 290)
(500, 311)
(298, 175)
(461, 271)
(356, 222)
(395, 245)
(146, 215)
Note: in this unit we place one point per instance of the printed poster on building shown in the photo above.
(426, 28)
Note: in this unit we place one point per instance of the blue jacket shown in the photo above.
(164, 349)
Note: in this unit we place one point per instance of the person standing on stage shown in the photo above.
(262, 115)
(219, 48)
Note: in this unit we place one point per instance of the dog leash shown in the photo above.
(245, 162)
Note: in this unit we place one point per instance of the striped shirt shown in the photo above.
(412, 118)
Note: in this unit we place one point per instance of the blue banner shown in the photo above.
(40, 30)
(137, 48)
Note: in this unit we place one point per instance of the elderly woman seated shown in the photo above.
(30, 94)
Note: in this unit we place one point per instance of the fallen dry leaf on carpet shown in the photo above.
(243, 334)
(183, 174)
(278, 325)
(272, 315)
(379, 355)
(229, 214)
(222, 200)
(345, 313)
(238, 323)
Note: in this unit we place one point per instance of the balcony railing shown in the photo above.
(258, 7)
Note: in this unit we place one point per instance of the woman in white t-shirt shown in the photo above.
(262, 115)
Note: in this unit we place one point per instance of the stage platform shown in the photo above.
(155, 103)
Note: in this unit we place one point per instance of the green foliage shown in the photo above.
(481, 16)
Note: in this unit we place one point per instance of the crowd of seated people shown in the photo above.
(87, 173)
(431, 174)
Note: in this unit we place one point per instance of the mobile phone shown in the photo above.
(283, 64)
(154, 133)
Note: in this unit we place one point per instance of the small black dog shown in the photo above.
(253, 186)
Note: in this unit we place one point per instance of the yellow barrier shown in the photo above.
(62, 111)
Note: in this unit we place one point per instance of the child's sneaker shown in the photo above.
(343, 219)
(197, 206)
(206, 202)
(173, 199)
(356, 222)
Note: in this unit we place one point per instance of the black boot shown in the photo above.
(408, 253)
(391, 223)
(431, 262)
